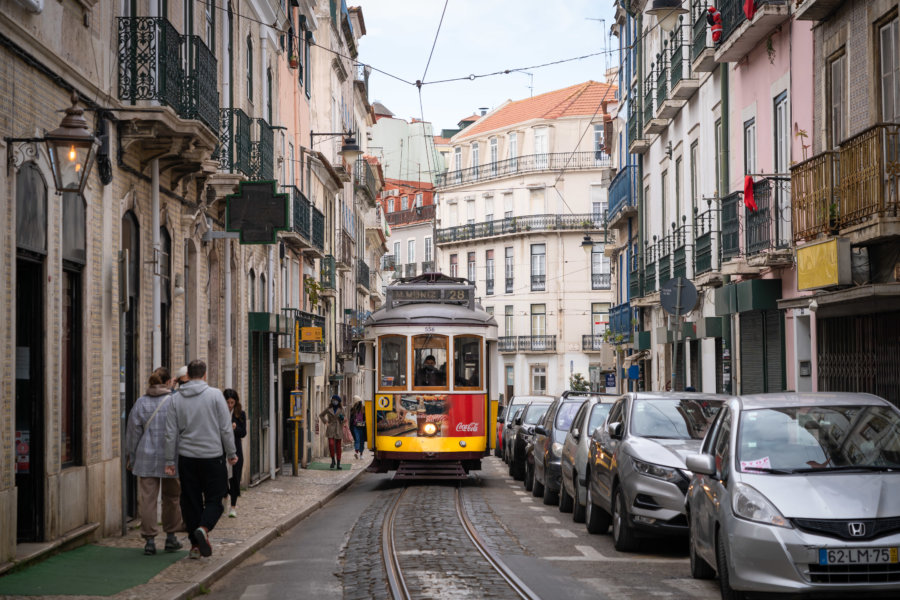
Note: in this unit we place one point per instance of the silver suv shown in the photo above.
(636, 472)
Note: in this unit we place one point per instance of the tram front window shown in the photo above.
(393, 361)
(430, 355)
(467, 361)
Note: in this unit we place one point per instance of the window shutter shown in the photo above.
(752, 353)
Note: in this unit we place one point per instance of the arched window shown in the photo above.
(31, 209)
(249, 68)
(165, 296)
(252, 287)
(263, 297)
(269, 96)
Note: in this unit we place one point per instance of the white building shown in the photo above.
(526, 183)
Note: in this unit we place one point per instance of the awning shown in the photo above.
(633, 358)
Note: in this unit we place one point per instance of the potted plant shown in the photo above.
(312, 288)
(293, 61)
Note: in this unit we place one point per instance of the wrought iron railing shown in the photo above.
(362, 273)
(679, 255)
(489, 286)
(600, 281)
(759, 222)
(622, 190)
(538, 283)
(150, 61)
(679, 67)
(870, 175)
(365, 178)
(388, 262)
(159, 64)
(635, 278)
(262, 152)
(587, 221)
(662, 76)
(428, 266)
(509, 285)
(620, 320)
(698, 27)
(537, 343)
(506, 343)
(733, 15)
(328, 275)
(200, 98)
(306, 319)
(704, 226)
(635, 132)
(731, 225)
(412, 215)
(300, 209)
(664, 259)
(344, 250)
(234, 141)
(591, 343)
(648, 96)
(650, 256)
(569, 161)
(345, 343)
(318, 229)
(815, 195)
(409, 270)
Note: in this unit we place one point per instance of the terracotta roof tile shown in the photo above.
(576, 100)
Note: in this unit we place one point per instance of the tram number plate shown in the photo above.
(857, 556)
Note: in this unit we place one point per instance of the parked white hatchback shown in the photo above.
(798, 492)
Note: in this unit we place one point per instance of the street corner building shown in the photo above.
(128, 250)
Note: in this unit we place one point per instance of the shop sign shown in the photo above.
(824, 264)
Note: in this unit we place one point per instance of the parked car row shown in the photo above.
(784, 493)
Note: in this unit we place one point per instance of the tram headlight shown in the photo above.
(429, 428)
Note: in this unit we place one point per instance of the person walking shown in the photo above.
(239, 428)
(198, 429)
(358, 427)
(181, 377)
(145, 436)
(333, 417)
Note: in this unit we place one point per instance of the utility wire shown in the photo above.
(436, 33)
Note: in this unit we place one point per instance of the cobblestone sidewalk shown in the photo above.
(263, 513)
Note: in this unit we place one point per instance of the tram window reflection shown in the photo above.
(430, 356)
(393, 361)
(467, 362)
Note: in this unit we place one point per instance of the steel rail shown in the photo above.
(396, 582)
(522, 590)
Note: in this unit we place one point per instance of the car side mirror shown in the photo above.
(702, 464)
(539, 429)
(575, 433)
(615, 430)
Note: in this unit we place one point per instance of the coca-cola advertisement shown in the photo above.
(430, 415)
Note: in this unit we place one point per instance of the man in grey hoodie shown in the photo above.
(198, 424)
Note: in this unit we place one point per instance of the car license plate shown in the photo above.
(857, 556)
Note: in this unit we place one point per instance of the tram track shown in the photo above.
(397, 582)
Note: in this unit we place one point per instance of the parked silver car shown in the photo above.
(637, 476)
(509, 436)
(573, 492)
(798, 492)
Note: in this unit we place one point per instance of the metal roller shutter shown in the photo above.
(774, 355)
(753, 376)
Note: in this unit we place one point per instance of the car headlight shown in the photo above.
(556, 449)
(748, 503)
(660, 472)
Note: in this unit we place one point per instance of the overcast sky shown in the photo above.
(477, 37)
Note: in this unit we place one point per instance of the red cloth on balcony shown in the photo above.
(749, 8)
(748, 194)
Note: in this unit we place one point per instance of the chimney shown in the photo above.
(483, 110)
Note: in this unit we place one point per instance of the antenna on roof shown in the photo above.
(530, 81)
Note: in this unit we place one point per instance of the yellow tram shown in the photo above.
(431, 412)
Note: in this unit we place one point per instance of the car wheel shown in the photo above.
(538, 490)
(565, 500)
(700, 569)
(550, 497)
(624, 538)
(529, 477)
(578, 509)
(518, 470)
(724, 579)
(595, 519)
(511, 468)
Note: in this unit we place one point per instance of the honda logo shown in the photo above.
(857, 529)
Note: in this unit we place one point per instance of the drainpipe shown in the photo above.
(229, 356)
(157, 268)
(728, 321)
(273, 424)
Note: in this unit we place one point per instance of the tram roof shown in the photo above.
(425, 313)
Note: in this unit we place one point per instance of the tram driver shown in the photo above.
(429, 375)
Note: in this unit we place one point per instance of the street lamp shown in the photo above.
(349, 149)
(71, 148)
(666, 13)
(587, 244)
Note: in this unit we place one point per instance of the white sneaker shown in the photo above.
(232, 513)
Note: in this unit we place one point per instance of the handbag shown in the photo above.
(348, 438)
(129, 460)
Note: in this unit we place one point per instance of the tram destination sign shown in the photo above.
(398, 295)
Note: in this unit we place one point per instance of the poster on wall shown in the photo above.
(430, 415)
(23, 451)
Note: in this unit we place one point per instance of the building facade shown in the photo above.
(527, 182)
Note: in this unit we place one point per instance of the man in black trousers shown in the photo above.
(198, 425)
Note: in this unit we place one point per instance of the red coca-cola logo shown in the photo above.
(467, 427)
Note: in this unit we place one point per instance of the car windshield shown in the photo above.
(598, 415)
(673, 418)
(566, 414)
(535, 412)
(817, 438)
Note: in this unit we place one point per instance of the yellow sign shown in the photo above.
(824, 264)
(310, 334)
(385, 402)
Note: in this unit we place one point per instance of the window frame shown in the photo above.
(403, 361)
(835, 108)
(449, 363)
(481, 361)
